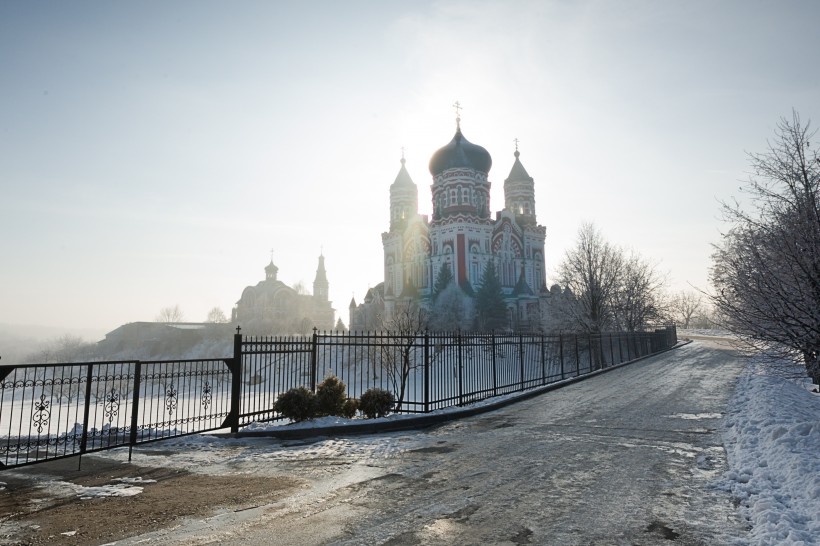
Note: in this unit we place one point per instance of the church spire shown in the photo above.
(404, 198)
(519, 190)
(320, 284)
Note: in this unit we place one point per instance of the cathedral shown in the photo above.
(462, 236)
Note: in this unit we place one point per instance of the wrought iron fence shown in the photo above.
(50, 411)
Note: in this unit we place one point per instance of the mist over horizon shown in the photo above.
(154, 155)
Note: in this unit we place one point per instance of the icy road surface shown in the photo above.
(627, 457)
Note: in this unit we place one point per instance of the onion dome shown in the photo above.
(460, 153)
(271, 270)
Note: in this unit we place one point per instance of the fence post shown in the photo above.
(495, 378)
(521, 358)
(236, 381)
(577, 358)
(135, 406)
(561, 353)
(314, 354)
(426, 372)
(460, 386)
(84, 439)
(543, 361)
(589, 339)
(611, 351)
(629, 337)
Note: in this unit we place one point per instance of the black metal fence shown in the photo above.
(50, 411)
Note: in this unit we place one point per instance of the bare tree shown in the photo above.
(686, 305)
(639, 297)
(170, 314)
(216, 316)
(591, 271)
(766, 271)
(401, 352)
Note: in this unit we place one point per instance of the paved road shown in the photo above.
(623, 458)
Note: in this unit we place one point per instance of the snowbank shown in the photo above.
(772, 440)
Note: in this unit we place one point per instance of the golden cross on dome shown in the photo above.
(271, 255)
(457, 106)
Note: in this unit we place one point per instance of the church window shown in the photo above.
(454, 197)
(446, 203)
(465, 196)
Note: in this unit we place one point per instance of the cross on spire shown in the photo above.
(271, 255)
(402, 152)
(516, 144)
(457, 106)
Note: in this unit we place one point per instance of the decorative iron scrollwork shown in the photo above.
(42, 413)
(111, 406)
(206, 395)
(171, 399)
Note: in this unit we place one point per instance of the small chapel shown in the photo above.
(273, 307)
(462, 236)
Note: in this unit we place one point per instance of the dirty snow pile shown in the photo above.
(772, 440)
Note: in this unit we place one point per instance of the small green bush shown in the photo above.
(330, 396)
(350, 408)
(376, 403)
(297, 404)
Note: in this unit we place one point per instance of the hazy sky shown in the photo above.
(153, 153)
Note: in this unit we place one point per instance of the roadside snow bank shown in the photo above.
(772, 440)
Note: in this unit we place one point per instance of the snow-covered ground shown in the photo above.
(772, 440)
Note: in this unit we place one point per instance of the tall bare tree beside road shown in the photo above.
(591, 270)
(639, 299)
(613, 290)
(766, 271)
(685, 305)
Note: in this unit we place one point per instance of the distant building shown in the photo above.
(147, 340)
(272, 307)
(369, 314)
(462, 236)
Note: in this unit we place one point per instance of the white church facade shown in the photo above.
(462, 236)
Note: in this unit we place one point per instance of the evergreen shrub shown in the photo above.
(376, 403)
(297, 404)
(331, 397)
(349, 408)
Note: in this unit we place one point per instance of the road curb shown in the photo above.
(426, 420)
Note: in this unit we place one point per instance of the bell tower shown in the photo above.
(404, 199)
(519, 192)
(320, 284)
